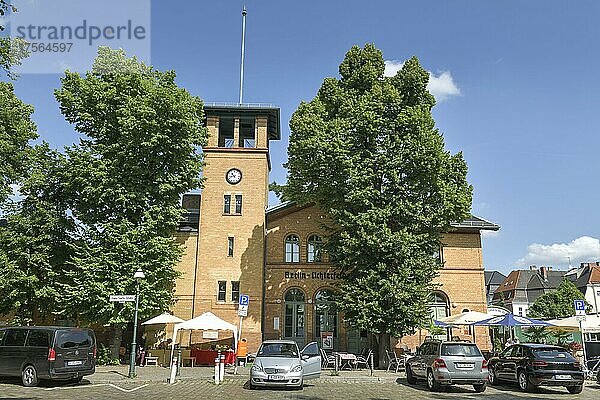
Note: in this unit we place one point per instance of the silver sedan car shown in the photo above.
(280, 363)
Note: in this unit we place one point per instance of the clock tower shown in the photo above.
(230, 245)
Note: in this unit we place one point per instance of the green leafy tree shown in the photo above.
(367, 152)
(537, 334)
(557, 303)
(12, 51)
(137, 157)
(16, 131)
(35, 243)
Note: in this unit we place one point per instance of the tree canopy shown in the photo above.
(16, 131)
(125, 178)
(367, 152)
(557, 303)
(35, 243)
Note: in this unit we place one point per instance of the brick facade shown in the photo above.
(259, 262)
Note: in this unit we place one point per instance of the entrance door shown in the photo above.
(326, 316)
(294, 316)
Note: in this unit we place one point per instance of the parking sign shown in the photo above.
(243, 305)
(579, 307)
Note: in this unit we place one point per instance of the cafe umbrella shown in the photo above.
(511, 320)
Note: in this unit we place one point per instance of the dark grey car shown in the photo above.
(448, 363)
(56, 353)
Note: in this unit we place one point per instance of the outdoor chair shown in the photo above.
(393, 361)
(364, 360)
(327, 360)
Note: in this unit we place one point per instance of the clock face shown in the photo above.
(233, 176)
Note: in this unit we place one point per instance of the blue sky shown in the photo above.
(515, 81)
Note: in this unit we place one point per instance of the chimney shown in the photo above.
(544, 272)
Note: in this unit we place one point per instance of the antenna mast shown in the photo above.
(243, 45)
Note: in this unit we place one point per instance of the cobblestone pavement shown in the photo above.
(237, 389)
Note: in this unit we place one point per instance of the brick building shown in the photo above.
(235, 244)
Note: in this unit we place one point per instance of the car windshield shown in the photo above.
(551, 353)
(459, 349)
(288, 350)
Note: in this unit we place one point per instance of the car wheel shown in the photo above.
(432, 384)
(29, 376)
(409, 376)
(524, 383)
(492, 377)
(480, 388)
(251, 385)
(575, 389)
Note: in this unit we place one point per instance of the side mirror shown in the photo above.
(305, 357)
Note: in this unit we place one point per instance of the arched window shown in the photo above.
(439, 306)
(315, 249)
(293, 327)
(326, 313)
(292, 248)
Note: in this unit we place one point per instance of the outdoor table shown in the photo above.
(346, 359)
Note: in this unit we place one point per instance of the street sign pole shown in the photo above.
(580, 313)
(244, 302)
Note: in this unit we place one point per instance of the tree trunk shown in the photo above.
(115, 340)
(383, 344)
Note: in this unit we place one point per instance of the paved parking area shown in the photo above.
(237, 389)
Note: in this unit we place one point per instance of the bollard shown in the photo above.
(217, 371)
(222, 367)
(173, 370)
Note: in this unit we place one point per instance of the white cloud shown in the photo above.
(441, 86)
(392, 67)
(582, 249)
(490, 234)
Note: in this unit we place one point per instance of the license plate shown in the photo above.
(276, 377)
(464, 366)
(562, 377)
(72, 363)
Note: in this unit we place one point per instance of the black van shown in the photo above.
(40, 352)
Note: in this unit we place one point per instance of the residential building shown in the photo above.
(587, 280)
(522, 287)
(493, 280)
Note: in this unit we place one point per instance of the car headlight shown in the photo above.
(257, 368)
(297, 368)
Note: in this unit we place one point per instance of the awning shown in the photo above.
(164, 318)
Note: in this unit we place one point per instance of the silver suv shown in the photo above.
(448, 363)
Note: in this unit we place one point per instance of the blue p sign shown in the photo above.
(579, 305)
(244, 299)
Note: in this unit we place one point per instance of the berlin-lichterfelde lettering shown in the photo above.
(320, 275)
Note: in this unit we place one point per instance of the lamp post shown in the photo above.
(138, 276)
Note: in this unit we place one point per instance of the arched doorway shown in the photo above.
(439, 306)
(294, 321)
(326, 315)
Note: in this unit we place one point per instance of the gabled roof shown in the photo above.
(494, 277)
(471, 223)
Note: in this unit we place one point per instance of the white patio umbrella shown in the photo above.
(571, 324)
(164, 318)
(466, 318)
